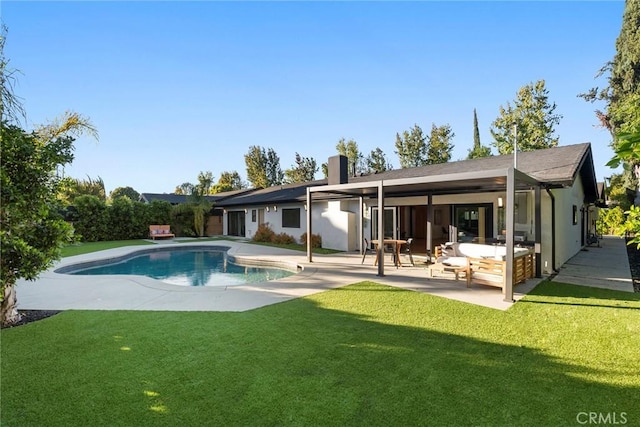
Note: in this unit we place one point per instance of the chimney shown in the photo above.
(338, 170)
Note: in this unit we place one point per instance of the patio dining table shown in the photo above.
(396, 244)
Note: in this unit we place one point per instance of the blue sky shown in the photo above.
(176, 88)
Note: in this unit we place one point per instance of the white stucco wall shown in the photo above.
(274, 218)
(338, 221)
(568, 234)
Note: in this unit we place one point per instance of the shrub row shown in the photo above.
(316, 240)
(264, 233)
(123, 219)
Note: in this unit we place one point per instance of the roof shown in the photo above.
(553, 167)
(276, 194)
(176, 199)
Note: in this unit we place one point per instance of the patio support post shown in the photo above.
(429, 224)
(309, 226)
(538, 222)
(361, 228)
(510, 224)
(380, 251)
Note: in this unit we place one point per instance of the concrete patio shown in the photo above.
(53, 291)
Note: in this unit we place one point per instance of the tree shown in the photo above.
(125, 192)
(196, 206)
(620, 191)
(624, 82)
(11, 109)
(622, 93)
(377, 162)
(32, 230)
(91, 218)
(228, 181)
(632, 225)
(478, 150)
(350, 150)
(205, 182)
(274, 172)
(263, 167)
(71, 188)
(627, 150)
(439, 146)
(304, 170)
(534, 118)
(411, 148)
(185, 189)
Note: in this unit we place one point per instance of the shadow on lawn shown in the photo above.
(408, 375)
(336, 358)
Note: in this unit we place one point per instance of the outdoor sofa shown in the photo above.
(485, 264)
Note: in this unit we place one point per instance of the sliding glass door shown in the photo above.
(389, 223)
(474, 223)
(236, 222)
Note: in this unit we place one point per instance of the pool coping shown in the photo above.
(55, 291)
(239, 260)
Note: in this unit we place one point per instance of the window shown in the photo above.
(291, 218)
(253, 215)
(521, 208)
(575, 215)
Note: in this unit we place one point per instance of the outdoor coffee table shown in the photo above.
(455, 269)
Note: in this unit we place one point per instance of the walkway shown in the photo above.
(53, 291)
(606, 266)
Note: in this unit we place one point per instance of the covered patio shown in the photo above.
(504, 180)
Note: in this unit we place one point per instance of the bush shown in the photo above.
(159, 212)
(182, 220)
(264, 233)
(284, 239)
(611, 221)
(316, 240)
(92, 218)
(121, 219)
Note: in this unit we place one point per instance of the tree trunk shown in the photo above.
(9, 307)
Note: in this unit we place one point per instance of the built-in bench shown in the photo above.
(160, 231)
(492, 272)
(485, 264)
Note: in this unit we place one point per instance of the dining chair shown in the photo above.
(407, 250)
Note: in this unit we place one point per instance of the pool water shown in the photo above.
(185, 267)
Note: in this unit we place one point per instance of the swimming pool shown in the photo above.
(194, 266)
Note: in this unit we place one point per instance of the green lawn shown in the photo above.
(365, 354)
(298, 247)
(85, 248)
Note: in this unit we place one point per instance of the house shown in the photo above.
(214, 223)
(548, 200)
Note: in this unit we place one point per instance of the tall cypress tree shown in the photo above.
(478, 149)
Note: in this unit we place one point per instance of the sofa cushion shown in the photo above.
(476, 250)
(455, 261)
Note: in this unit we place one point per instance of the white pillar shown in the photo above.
(309, 227)
(380, 252)
(510, 224)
